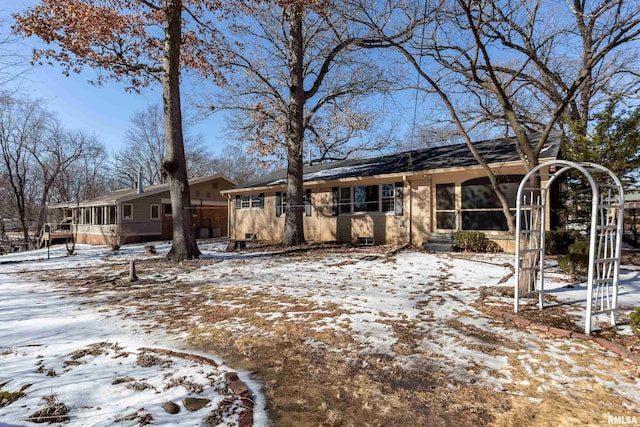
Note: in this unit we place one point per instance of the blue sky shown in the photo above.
(104, 111)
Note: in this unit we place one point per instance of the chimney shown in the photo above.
(140, 190)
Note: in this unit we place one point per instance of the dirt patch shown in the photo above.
(631, 257)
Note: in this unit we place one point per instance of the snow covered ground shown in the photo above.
(415, 309)
(57, 352)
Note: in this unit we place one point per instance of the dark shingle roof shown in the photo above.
(129, 194)
(444, 157)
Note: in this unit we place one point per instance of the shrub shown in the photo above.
(557, 242)
(491, 246)
(634, 321)
(470, 241)
(576, 262)
(474, 241)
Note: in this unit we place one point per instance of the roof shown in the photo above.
(129, 194)
(444, 157)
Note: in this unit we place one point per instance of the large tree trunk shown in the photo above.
(184, 238)
(294, 225)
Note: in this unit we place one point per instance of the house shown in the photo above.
(397, 198)
(142, 214)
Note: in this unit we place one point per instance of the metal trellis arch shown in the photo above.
(605, 237)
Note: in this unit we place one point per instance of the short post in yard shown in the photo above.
(132, 271)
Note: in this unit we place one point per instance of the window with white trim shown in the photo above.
(98, 215)
(155, 212)
(250, 201)
(371, 198)
(281, 203)
(86, 216)
(112, 214)
(127, 211)
(388, 197)
(345, 200)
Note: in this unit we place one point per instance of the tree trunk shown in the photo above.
(294, 225)
(184, 244)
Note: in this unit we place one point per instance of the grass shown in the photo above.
(8, 397)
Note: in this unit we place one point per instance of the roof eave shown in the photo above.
(396, 175)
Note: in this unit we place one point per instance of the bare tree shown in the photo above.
(13, 64)
(234, 163)
(7, 204)
(85, 178)
(522, 66)
(36, 150)
(21, 126)
(145, 149)
(299, 82)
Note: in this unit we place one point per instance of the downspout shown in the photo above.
(410, 191)
(119, 222)
(229, 212)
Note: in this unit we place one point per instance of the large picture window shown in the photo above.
(365, 198)
(481, 209)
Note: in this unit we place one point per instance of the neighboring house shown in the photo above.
(143, 214)
(390, 199)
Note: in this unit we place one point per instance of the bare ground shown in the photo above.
(319, 368)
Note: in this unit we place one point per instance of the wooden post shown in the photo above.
(132, 271)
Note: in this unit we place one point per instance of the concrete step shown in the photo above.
(438, 247)
(439, 242)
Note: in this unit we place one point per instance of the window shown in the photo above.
(445, 206)
(112, 214)
(345, 200)
(481, 209)
(281, 203)
(257, 201)
(246, 202)
(365, 198)
(307, 203)
(369, 198)
(155, 212)
(388, 198)
(127, 211)
(167, 210)
(98, 215)
(251, 201)
(86, 215)
(399, 198)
